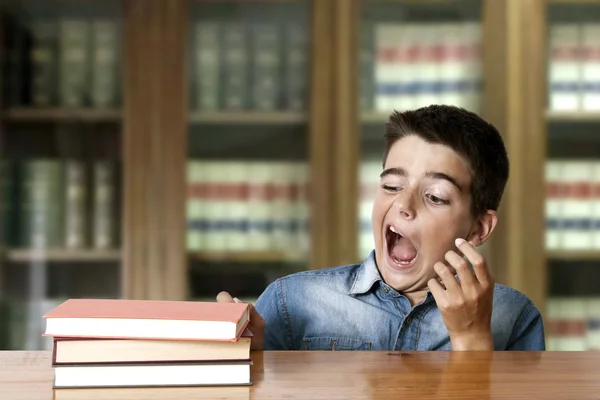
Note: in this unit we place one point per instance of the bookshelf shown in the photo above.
(25, 114)
(64, 256)
(572, 163)
(248, 147)
(308, 130)
(247, 117)
(60, 158)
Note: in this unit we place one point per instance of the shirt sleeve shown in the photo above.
(528, 332)
(269, 305)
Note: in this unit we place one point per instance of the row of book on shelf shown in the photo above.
(240, 64)
(572, 323)
(100, 343)
(409, 65)
(263, 65)
(66, 61)
(572, 204)
(241, 205)
(60, 204)
(248, 205)
(574, 66)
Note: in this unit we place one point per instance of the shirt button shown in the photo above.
(385, 289)
(408, 321)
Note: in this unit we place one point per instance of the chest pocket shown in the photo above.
(331, 343)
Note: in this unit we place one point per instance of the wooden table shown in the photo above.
(350, 375)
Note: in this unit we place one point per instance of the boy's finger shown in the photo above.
(438, 292)
(478, 262)
(224, 297)
(467, 279)
(452, 286)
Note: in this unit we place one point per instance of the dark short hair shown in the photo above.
(469, 135)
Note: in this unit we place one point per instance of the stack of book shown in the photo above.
(142, 343)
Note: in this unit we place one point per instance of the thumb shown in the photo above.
(224, 297)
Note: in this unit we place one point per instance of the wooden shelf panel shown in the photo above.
(573, 255)
(572, 2)
(248, 117)
(374, 117)
(245, 257)
(62, 255)
(61, 114)
(573, 116)
(245, 1)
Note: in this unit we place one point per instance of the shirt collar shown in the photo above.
(366, 276)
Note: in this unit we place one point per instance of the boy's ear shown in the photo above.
(482, 228)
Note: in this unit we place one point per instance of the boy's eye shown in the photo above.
(391, 188)
(436, 200)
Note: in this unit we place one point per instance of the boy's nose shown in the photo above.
(404, 205)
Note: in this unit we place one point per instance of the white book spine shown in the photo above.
(280, 206)
(291, 199)
(226, 201)
(260, 203)
(565, 68)
(472, 77)
(596, 205)
(428, 71)
(216, 209)
(553, 204)
(593, 324)
(364, 220)
(237, 232)
(194, 206)
(403, 98)
(450, 63)
(204, 217)
(577, 206)
(370, 171)
(591, 66)
(385, 69)
(302, 207)
(574, 319)
(553, 312)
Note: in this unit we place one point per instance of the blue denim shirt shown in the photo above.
(351, 308)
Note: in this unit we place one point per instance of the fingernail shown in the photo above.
(237, 300)
(459, 241)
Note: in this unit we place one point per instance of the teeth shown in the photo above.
(402, 262)
(393, 230)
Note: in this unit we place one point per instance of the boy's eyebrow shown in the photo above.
(431, 174)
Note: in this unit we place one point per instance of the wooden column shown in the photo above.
(514, 70)
(154, 132)
(322, 107)
(347, 134)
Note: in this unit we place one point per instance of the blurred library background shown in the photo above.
(171, 149)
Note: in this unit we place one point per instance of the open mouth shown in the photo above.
(401, 252)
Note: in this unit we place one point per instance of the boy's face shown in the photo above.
(422, 205)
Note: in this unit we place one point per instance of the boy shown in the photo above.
(444, 172)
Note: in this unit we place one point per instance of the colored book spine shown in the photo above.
(105, 90)
(75, 205)
(74, 62)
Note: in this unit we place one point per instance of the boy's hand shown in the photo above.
(256, 325)
(466, 306)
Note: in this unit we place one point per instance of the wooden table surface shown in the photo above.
(350, 375)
